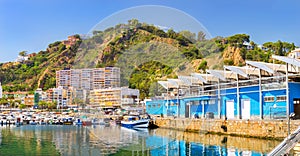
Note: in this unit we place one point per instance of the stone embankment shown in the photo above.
(267, 129)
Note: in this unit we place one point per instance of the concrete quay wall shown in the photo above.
(273, 129)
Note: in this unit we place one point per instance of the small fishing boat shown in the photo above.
(86, 123)
(135, 121)
(32, 122)
(68, 121)
(77, 122)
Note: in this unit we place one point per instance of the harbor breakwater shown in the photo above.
(266, 129)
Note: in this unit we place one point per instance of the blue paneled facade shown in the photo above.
(247, 106)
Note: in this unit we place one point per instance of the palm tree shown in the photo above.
(42, 104)
(78, 102)
(51, 105)
(22, 106)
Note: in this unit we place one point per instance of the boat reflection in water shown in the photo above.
(116, 140)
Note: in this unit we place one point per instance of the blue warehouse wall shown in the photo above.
(276, 107)
(173, 107)
(196, 106)
(294, 92)
(182, 108)
(155, 107)
(198, 103)
(212, 107)
(254, 102)
(196, 109)
(228, 94)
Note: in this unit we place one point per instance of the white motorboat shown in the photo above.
(134, 121)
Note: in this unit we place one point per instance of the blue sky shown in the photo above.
(33, 24)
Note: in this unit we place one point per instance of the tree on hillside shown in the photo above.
(23, 53)
(270, 46)
(201, 36)
(189, 35)
(77, 36)
(97, 32)
(293, 46)
(288, 46)
(171, 33)
(203, 66)
(252, 43)
(258, 54)
(134, 22)
(279, 47)
(238, 39)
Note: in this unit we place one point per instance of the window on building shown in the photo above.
(149, 106)
(204, 102)
(281, 98)
(269, 98)
(296, 101)
(212, 102)
(196, 103)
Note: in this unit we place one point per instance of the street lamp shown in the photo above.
(291, 116)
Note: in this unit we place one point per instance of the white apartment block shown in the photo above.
(63, 78)
(62, 97)
(114, 97)
(76, 78)
(89, 78)
(129, 96)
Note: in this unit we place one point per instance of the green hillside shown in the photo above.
(144, 53)
(38, 70)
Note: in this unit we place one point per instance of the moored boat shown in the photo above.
(86, 123)
(135, 121)
(77, 122)
(68, 121)
(32, 122)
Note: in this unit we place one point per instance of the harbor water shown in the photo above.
(115, 140)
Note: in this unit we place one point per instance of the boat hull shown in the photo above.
(86, 123)
(135, 124)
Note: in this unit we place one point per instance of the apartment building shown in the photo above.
(89, 78)
(114, 97)
(129, 97)
(109, 97)
(28, 100)
(63, 78)
(62, 97)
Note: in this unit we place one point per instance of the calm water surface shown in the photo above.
(114, 140)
